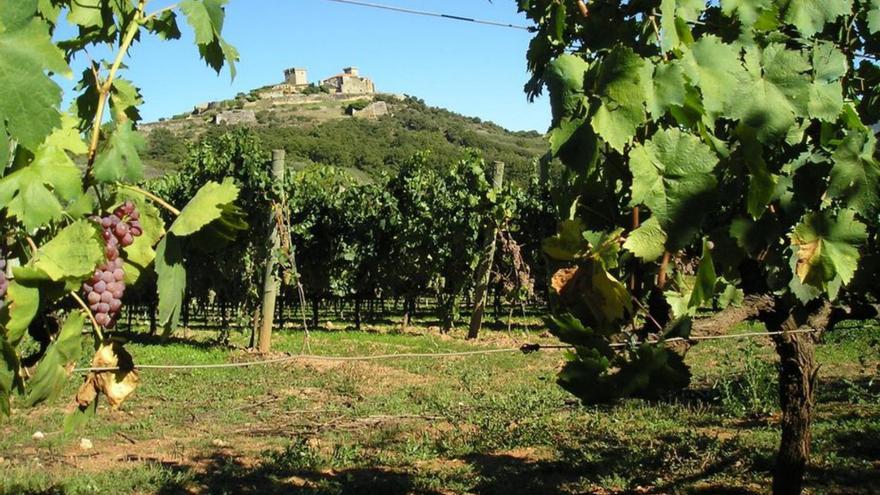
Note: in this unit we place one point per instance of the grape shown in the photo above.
(104, 290)
(94, 298)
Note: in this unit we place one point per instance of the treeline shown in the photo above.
(415, 234)
(381, 146)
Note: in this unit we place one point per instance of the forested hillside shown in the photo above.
(323, 132)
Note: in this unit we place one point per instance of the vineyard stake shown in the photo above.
(270, 281)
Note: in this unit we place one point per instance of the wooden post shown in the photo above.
(484, 268)
(271, 280)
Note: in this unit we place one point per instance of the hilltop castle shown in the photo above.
(348, 82)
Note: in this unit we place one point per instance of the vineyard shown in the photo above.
(677, 296)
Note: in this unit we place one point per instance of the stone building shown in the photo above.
(296, 76)
(350, 82)
(236, 117)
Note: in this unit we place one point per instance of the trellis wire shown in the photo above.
(525, 349)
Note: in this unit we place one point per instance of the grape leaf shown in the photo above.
(565, 79)
(29, 99)
(575, 143)
(622, 95)
(855, 176)
(26, 192)
(715, 68)
(672, 13)
(665, 88)
(673, 176)
(827, 249)
(205, 207)
(747, 11)
(704, 285)
(72, 254)
(874, 17)
(164, 26)
(14, 15)
(21, 307)
(125, 98)
(10, 379)
(776, 92)
(51, 374)
(648, 241)
(568, 244)
(171, 281)
(826, 91)
(87, 13)
(120, 159)
(810, 16)
(206, 18)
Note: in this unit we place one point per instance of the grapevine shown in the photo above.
(60, 242)
(739, 137)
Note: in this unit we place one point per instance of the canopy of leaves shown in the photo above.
(749, 125)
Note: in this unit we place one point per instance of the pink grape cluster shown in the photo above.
(105, 289)
(4, 282)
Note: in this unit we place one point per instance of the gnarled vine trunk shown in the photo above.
(798, 372)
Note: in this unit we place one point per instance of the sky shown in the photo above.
(472, 69)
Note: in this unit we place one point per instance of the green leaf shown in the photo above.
(826, 249)
(14, 15)
(622, 95)
(565, 80)
(604, 246)
(26, 192)
(648, 241)
(776, 92)
(715, 68)
(747, 11)
(569, 243)
(21, 308)
(665, 88)
(120, 159)
(87, 13)
(810, 16)
(673, 176)
(762, 184)
(673, 13)
(205, 207)
(575, 143)
(704, 285)
(206, 18)
(164, 26)
(10, 377)
(125, 98)
(29, 99)
(855, 176)
(51, 374)
(874, 17)
(567, 328)
(79, 416)
(826, 91)
(72, 254)
(171, 282)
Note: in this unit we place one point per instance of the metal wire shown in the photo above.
(525, 349)
(431, 14)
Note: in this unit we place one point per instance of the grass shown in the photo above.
(481, 424)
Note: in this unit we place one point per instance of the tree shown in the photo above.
(734, 132)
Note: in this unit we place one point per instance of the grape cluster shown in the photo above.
(105, 289)
(4, 282)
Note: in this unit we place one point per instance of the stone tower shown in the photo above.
(296, 76)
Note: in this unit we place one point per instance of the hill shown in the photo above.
(365, 134)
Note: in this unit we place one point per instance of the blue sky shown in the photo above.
(469, 68)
